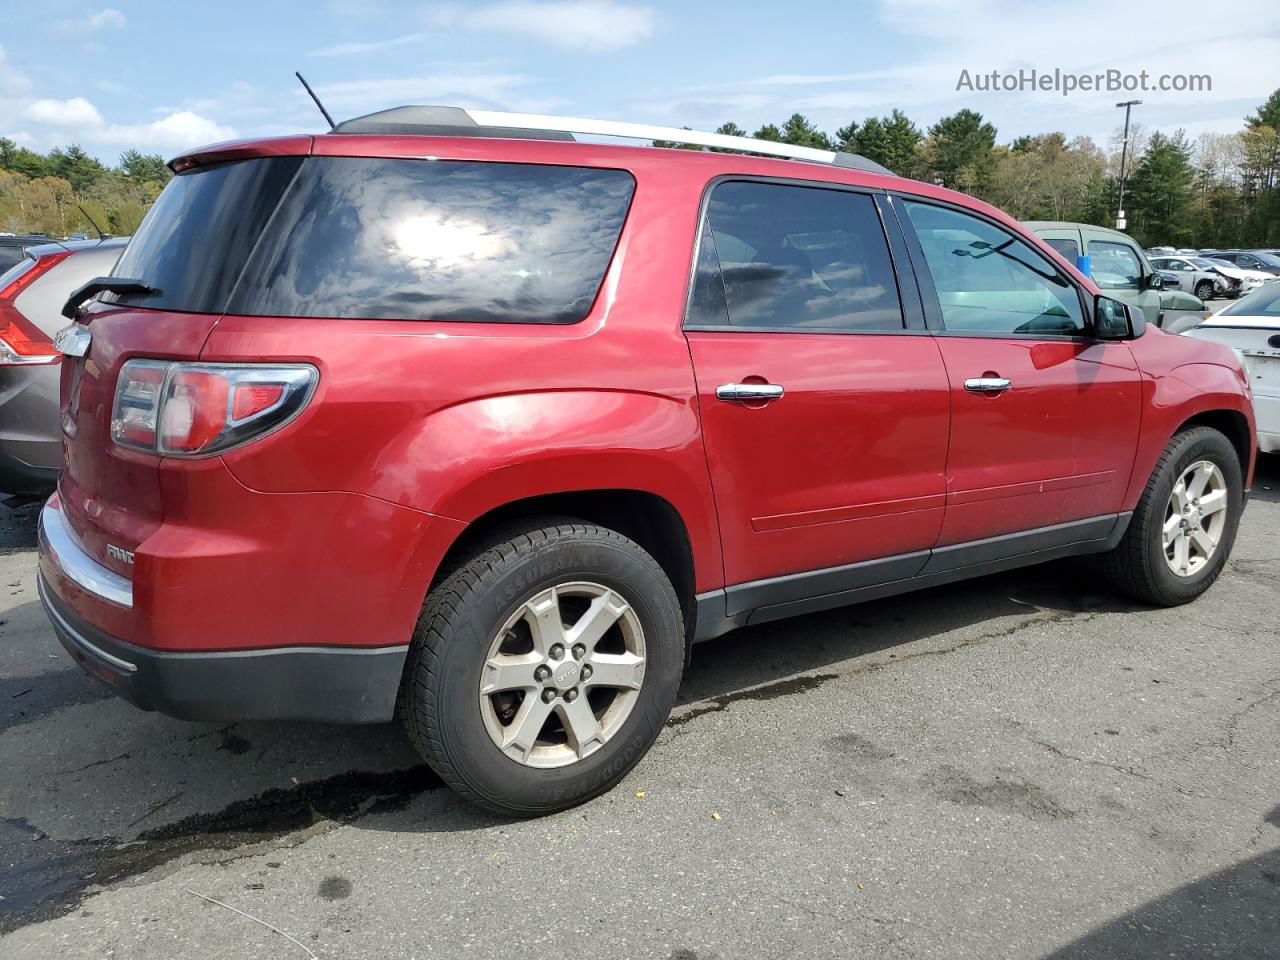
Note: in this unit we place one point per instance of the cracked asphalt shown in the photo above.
(1023, 766)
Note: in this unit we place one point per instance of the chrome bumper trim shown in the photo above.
(78, 638)
(57, 539)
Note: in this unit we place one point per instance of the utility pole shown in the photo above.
(1124, 153)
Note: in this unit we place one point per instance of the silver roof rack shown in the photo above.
(456, 122)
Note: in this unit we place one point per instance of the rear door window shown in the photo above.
(1068, 248)
(794, 258)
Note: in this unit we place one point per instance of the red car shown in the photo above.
(453, 418)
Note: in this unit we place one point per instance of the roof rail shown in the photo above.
(456, 122)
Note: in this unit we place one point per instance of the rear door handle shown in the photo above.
(748, 391)
(987, 384)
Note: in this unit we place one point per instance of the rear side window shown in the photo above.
(11, 256)
(197, 236)
(793, 258)
(437, 240)
(1068, 248)
(383, 239)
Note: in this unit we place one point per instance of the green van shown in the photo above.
(1117, 263)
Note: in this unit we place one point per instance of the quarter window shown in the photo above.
(989, 281)
(800, 258)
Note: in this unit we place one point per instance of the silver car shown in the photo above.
(31, 297)
(1197, 277)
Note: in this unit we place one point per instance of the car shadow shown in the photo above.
(1231, 913)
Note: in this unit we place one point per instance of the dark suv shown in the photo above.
(453, 418)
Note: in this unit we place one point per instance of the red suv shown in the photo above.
(450, 418)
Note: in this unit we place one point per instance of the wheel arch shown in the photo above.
(650, 520)
(1231, 423)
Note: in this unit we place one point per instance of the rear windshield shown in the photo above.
(1263, 302)
(382, 238)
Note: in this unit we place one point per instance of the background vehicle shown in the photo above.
(1180, 310)
(14, 248)
(1201, 278)
(408, 468)
(1255, 260)
(1240, 281)
(1251, 327)
(1118, 265)
(32, 293)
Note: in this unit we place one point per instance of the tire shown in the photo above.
(1139, 566)
(470, 622)
(1204, 290)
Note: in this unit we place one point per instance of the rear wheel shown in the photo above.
(1185, 523)
(544, 667)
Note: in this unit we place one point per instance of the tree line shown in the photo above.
(1220, 190)
(60, 191)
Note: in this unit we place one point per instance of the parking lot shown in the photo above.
(1018, 766)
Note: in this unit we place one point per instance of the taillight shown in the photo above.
(21, 341)
(201, 409)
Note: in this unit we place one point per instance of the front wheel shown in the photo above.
(1204, 290)
(544, 667)
(1185, 523)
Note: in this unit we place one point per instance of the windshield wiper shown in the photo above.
(71, 309)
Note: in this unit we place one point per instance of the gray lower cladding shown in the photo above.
(332, 685)
(760, 601)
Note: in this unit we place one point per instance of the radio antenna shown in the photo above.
(92, 223)
(328, 119)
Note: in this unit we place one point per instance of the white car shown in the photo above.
(1251, 327)
(1250, 280)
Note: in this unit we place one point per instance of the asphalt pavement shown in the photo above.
(1022, 766)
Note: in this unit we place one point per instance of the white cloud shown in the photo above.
(371, 46)
(593, 25)
(108, 18)
(177, 131)
(78, 120)
(73, 113)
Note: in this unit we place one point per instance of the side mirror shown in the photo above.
(1113, 320)
(1153, 281)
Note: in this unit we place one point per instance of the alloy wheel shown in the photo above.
(563, 674)
(1195, 518)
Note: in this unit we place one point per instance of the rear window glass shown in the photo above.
(195, 239)
(401, 240)
(437, 240)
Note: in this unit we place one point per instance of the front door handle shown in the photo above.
(748, 391)
(987, 384)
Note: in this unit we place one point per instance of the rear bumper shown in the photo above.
(291, 683)
(335, 684)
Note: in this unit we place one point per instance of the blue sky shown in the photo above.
(166, 76)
